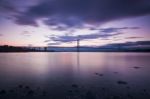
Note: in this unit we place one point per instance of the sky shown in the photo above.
(62, 22)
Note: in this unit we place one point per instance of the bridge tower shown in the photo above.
(78, 44)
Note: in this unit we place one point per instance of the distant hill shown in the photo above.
(139, 46)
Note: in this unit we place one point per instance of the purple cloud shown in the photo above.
(73, 13)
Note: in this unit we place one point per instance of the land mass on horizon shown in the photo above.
(140, 46)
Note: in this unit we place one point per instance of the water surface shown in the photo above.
(71, 75)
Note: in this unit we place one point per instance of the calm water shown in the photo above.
(75, 75)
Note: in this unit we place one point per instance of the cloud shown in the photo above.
(73, 13)
(7, 6)
(114, 29)
(64, 39)
(103, 33)
(1, 35)
(26, 33)
(10, 9)
(133, 37)
(54, 43)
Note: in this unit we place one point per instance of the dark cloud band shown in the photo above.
(104, 33)
(74, 13)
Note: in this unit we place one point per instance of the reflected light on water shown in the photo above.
(56, 71)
